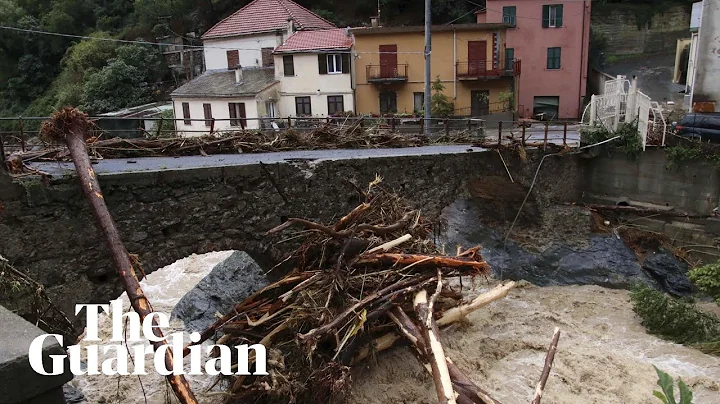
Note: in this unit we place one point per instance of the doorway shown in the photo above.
(479, 103)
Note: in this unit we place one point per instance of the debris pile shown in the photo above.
(356, 287)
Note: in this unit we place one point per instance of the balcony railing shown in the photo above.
(487, 69)
(386, 73)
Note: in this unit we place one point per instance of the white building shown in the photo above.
(248, 36)
(225, 101)
(703, 69)
(314, 68)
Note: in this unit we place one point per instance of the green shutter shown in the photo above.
(546, 16)
(549, 58)
(559, 14)
(322, 63)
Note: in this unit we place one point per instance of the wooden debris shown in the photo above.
(549, 358)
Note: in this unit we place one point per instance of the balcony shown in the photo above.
(386, 74)
(487, 69)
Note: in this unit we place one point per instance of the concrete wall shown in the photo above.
(596, 81)
(707, 82)
(530, 41)
(619, 24)
(307, 81)
(447, 50)
(694, 187)
(248, 47)
(47, 230)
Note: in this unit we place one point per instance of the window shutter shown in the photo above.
(267, 57)
(186, 113)
(322, 63)
(233, 58)
(241, 114)
(346, 63)
(288, 65)
(546, 16)
(549, 58)
(559, 15)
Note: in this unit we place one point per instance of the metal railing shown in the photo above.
(487, 68)
(394, 72)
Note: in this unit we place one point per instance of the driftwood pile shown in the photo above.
(357, 286)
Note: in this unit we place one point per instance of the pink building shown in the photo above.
(551, 38)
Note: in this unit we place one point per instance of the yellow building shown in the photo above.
(471, 60)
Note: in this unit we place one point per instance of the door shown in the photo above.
(388, 61)
(479, 103)
(388, 102)
(477, 56)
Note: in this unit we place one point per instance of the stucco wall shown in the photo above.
(307, 81)
(248, 47)
(530, 41)
(48, 230)
(446, 51)
(707, 75)
(220, 111)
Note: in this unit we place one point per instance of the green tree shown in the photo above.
(440, 104)
(118, 85)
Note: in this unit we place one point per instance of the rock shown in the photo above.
(73, 395)
(670, 272)
(228, 283)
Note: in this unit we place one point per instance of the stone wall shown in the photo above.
(619, 25)
(47, 230)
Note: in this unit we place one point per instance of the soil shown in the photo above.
(604, 355)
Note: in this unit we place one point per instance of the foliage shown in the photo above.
(676, 320)
(667, 395)
(167, 125)
(707, 279)
(440, 104)
(629, 141)
(681, 153)
(509, 98)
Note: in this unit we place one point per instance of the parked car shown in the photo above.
(704, 126)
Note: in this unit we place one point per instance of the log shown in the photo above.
(456, 313)
(390, 244)
(435, 352)
(391, 259)
(549, 358)
(73, 127)
(345, 221)
(644, 211)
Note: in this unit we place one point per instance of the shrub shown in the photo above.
(629, 140)
(667, 395)
(707, 279)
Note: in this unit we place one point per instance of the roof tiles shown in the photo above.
(267, 16)
(316, 40)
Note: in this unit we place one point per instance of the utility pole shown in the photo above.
(428, 48)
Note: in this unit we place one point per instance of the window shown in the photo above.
(418, 102)
(237, 114)
(207, 109)
(233, 58)
(335, 104)
(267, 57)
(388, 102)
(288, 65)
(552, 16)
(334, 63)
(302, 106)
(509, 15)
(553, 58)
(509, 58)
(186, 113)
(270, 109)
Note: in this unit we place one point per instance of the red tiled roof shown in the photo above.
(316, 40)
(267, 16)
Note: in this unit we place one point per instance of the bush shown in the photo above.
(676, 320)
(440, 104)
(629, 140)
(707, 279)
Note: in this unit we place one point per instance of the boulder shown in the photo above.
(669, 272)
(228, 283)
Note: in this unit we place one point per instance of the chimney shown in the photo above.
(374, 22)
(238, 74)
(290, 26)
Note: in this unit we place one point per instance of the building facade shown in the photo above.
(314, 68)
(552, 39)
(248, 36)
(704, 65)
(468, 59)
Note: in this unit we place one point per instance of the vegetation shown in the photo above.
(440, 104)
(629, 141)
(642, 10)
(677, 320)
(667, 395)
(707, 279)
(686, 152)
